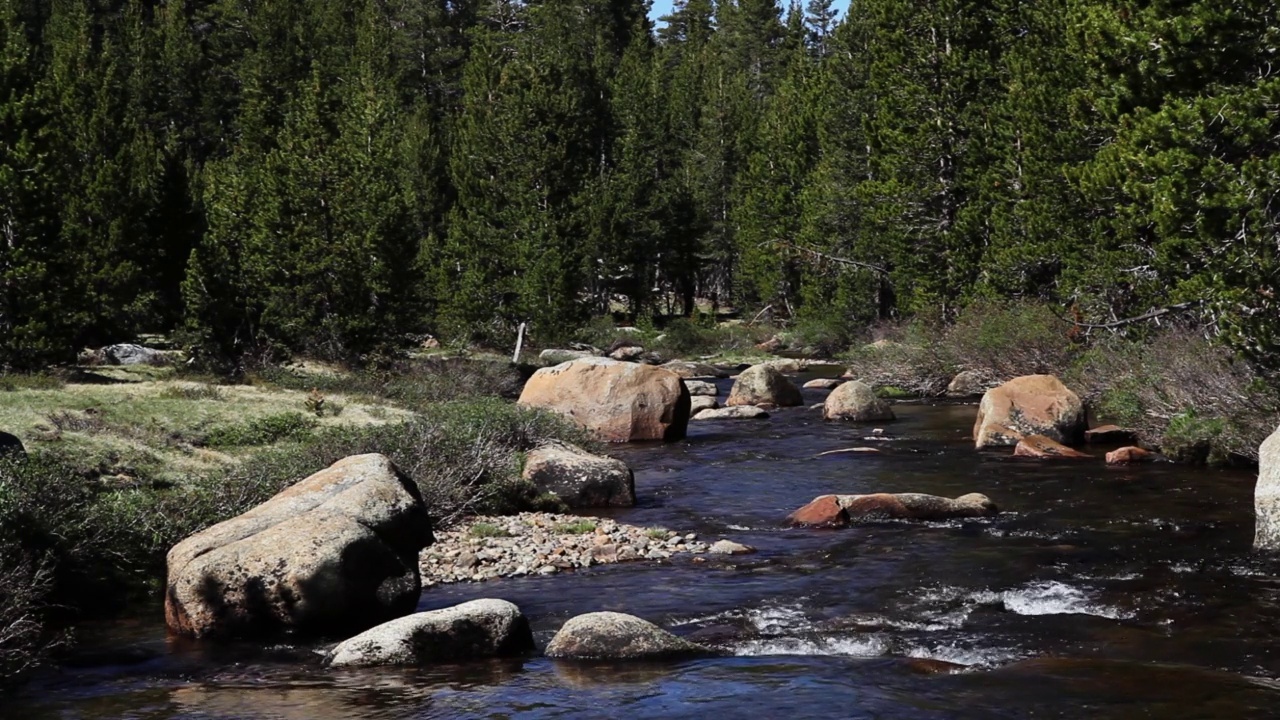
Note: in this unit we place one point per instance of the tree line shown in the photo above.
(341, 177)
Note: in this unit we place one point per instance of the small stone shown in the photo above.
(728, 547)
(547, 570)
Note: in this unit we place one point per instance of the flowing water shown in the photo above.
(1099, 592)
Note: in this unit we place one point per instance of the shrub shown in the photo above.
(1011, 339)
(411, 384)
(261, 431)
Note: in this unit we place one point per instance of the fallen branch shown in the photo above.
(1129, 321)
(824, 256)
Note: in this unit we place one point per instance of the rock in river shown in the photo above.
(615, 636)
(856, 401)
(335, 552)
(824, 384)
(699, 403)
(839, 510)
(968, 383)
(741, 412)
(1039, 446)
(1029, 405)
(476, 629)
(686, 369)
(1130, 456)
(1108, 434)
(615, 401)
(701, 387)
(764, 385)
(579, 478)
(1266, 495)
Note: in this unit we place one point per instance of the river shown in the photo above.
(1098, 592)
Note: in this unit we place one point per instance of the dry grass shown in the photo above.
(157, 428)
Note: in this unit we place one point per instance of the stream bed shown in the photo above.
(1098, 592)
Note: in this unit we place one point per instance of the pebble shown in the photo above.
(534, 544)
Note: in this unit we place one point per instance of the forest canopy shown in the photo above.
(340, 177)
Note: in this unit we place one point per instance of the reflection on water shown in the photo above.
(1129, 592)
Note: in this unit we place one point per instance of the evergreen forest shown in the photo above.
(345, 177)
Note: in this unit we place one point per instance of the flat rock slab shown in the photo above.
(476, 629)
(1039, 446)
(839, 510)
(741, 412)
(616, 636)
(1109, 434)
(824, 384)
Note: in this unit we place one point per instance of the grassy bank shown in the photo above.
(1181, 392)
(123, 468)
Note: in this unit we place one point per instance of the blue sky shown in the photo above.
(663, 7)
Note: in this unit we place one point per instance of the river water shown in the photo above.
(1098, 593)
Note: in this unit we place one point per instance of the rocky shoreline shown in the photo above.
(486, 548)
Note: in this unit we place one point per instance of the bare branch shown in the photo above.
(824, 256)
(1129, 321)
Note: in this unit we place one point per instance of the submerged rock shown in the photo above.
(741, 412)
(1130, 456)
(616, 636)
(764, 385)
(1030, 405)
(1039, 446)
(579, 478)
(857, 402)
(337, 551)
(838, 510)
(476, 629)
(1108, 434)
(615, 401)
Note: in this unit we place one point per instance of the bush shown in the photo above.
(685, 338)
(1181, 392)
(411, 384)
(262, 431)
(1011, 339)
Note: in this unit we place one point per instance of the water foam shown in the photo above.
(969, 657)
(1051, 598)
(844, 646)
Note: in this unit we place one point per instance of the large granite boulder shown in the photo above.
(857, 402)
(11, 445)
(335, 552)
(1266, 495)
(838, 510)
(615, 401)
(579, 478)
(475, 629)
(1029, 405)
(615, 636)
(764, 385)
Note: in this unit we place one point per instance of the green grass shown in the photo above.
(892, 391)
(262, 431)
(487, 530)
(657, 533)
(579, 527)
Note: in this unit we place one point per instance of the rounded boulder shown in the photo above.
(764, 385)
(615, 401)
(1029, 405)
(857, 402)
(476, 629)
(617, 636)
(579, 478)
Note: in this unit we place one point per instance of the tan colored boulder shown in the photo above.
(578, 478)
(1030, 405)
(615, 401)
(1039, 446)
(857, 402)
(1266, 495)
(1108, 434)
(1130, 456)
(764, 385)
(337, 551)
(824, 384)
(839, 510)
